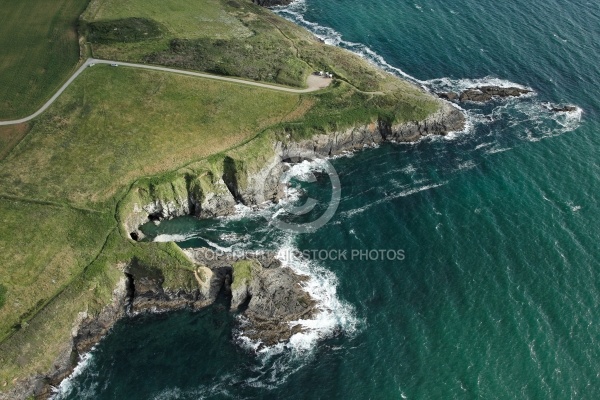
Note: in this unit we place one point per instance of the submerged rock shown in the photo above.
(564, 109)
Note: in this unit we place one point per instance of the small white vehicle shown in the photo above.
(114, 65)
(92, 64)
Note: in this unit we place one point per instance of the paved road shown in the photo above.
(314, 83)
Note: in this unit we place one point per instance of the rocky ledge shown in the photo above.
(272, 3)
(562, 109)
(267, 297)
(483, 94)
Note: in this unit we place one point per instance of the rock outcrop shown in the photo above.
(272, 3)
(268, 296)
(564, 109)
(447, 119)
(487, 93)
(484, 94)
(448, 96)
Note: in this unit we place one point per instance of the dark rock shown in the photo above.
(486, 93)
(271, 3)
(504, 92)
(447, 95)
(564, 109)
(475, 95)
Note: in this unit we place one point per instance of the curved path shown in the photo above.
(314, 83)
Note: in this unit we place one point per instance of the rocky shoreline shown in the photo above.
(268, 296)
(263, 185)
(483, 94)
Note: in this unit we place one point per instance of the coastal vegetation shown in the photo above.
(121, 136)
(242, 272)
(122, 30)
(232, 37)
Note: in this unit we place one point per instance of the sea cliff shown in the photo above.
(214, 191)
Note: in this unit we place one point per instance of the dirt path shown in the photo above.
(314, 83)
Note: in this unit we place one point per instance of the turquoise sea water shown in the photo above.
(498, 295)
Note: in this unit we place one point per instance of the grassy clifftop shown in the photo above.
(229, 37)
(67, 177)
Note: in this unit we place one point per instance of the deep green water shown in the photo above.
(499, 293)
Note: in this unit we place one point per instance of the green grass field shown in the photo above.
(43, 247)
(230, 37)
(97, 148)
(181, 18)
(39, 49)
(10, 136)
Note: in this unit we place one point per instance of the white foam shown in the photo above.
(67, 386)
(334, 315)
(409, 169)
(466, 165)
(164, 238)
(241, 211)
(482, 145)
(402, 193)
(304, 169)
(343, 154)
(574, 207)
(216, 246)
(497, 150)
(542, 122)
(459, 85)
(418, 189)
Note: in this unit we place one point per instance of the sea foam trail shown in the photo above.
(164, 238)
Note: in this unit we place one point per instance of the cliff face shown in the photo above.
(446, 120)
(268, 296)
(268, 299)
(217, 194)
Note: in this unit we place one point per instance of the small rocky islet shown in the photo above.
(484, 94)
